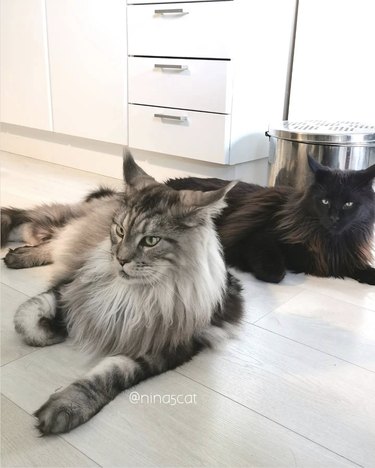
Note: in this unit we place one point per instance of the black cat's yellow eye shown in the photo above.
(348, 204)
(120, 230)
(150, 241)
(324, 201)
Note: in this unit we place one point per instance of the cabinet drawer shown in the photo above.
(187, 84)
(180, 29)
(198, 135)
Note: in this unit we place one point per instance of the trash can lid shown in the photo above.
(325, 132)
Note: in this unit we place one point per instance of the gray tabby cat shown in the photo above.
(140, 280)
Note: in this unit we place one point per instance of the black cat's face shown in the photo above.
(337, 204)
(342, 200)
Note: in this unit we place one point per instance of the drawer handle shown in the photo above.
(171, 11)
(171, 67)
(177, 118)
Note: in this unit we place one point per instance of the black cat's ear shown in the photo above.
(366, 176)
(134, 176)
(314, 165)
(213, 200)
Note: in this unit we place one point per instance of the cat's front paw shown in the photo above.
(366, 276)
(62, 412)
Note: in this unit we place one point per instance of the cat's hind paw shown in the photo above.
(23, 257)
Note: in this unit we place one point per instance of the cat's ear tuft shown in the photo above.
(366, 176)
(214, 200)
(134, 176)
(314, 165)
(370, 172)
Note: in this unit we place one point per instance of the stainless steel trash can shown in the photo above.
(339, 145)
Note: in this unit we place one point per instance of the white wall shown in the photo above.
(334, 72)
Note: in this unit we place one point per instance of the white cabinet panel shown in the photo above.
(333, 71)
(183, 30)
(87, 44)
(24, 79)
(204, 85)
(198, 135)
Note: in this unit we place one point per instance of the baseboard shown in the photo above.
(106, 158)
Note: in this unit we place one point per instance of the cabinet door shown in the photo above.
(24, 96)
(87, 47)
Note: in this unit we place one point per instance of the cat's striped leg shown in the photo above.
(39, 321)
(82, 399)
(36, 225)
(85, 397)
(29, 256)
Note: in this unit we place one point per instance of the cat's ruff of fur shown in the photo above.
(109, 315)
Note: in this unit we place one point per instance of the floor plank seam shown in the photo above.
(20, 357)
(250, 322)
(309, 289)
(55, 436)
(315, 349)
(274, 308)
(14, 289)
(3, 366)
(271, 420)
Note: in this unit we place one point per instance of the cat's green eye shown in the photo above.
(150, 241)
(348, 204)
(324, 201)
(120, 230)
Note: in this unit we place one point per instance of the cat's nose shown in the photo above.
(123, 261)
(334, 218)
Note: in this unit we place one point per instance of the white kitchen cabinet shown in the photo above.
(333, 71)
(236, 54)
(24, 78)
(88, 63)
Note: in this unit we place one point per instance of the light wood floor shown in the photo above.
(296, 389)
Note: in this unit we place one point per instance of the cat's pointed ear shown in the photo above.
(366, 176)
(213, 200)
(314, 165)
(134, 176)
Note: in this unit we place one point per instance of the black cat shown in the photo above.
(325, 230)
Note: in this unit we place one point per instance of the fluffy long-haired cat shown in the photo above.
(325, 230)
(140, 279)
